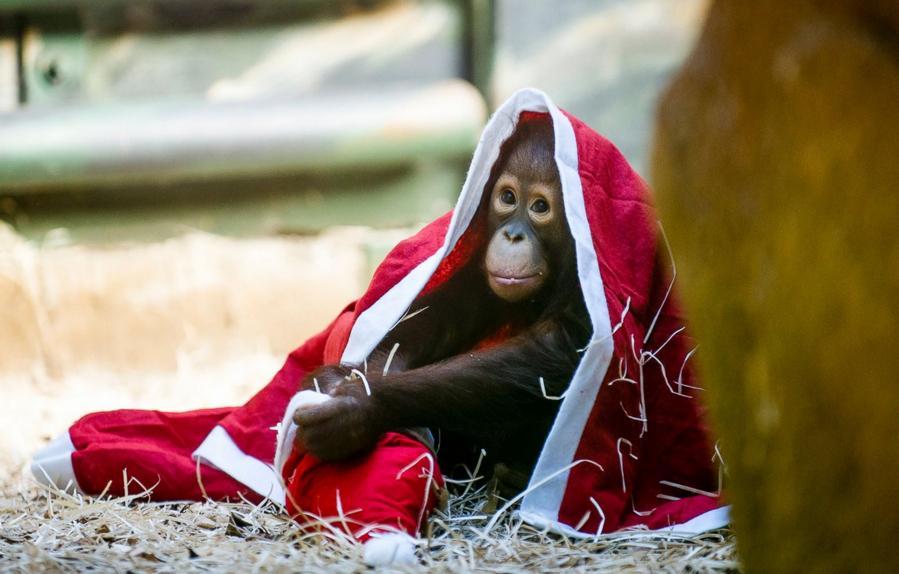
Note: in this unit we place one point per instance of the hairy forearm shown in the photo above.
(480, 392)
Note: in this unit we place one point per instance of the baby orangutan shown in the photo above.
(523, 281)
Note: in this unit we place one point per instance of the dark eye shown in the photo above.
(540, 206)
(507, 196)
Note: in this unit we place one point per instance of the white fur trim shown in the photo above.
(393, 549)
(711, 520)
(52, 465)
(220, 451)
(287, 429)
(369, 329)
(565, 434)
(373, 324)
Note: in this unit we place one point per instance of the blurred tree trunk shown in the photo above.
(776, 162)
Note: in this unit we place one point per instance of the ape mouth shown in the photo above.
(514, 280)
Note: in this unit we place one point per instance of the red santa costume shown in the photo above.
(628, 447)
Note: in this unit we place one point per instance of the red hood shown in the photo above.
(629, 445)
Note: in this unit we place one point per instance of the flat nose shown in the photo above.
(513, 235)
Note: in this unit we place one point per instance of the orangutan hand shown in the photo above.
(344, 426)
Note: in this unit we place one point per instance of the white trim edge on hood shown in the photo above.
(710, 520)
(372, 324)
(219, 451)
(52, 465)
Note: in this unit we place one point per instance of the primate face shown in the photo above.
(526, 218)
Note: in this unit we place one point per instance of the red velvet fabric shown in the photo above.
(392, 488)
(128, 451)
(673, 444)
(645, 463)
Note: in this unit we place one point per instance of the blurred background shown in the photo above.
(190, 188)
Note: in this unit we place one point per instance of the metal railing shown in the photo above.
(122, 144)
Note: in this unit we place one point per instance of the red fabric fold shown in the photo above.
(392, 488)
(638, 457)
(128, 451)
(646, 432)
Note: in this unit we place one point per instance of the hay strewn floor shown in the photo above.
(44, 531)
(199, 360)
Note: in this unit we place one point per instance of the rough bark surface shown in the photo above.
(776, 162)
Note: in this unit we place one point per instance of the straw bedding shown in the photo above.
(44, 530)
(52, 531)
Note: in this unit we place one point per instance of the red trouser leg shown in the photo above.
(392, 488)
(152, 449)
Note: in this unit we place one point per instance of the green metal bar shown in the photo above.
(479, 43)
(121, 145)
(42, 5)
